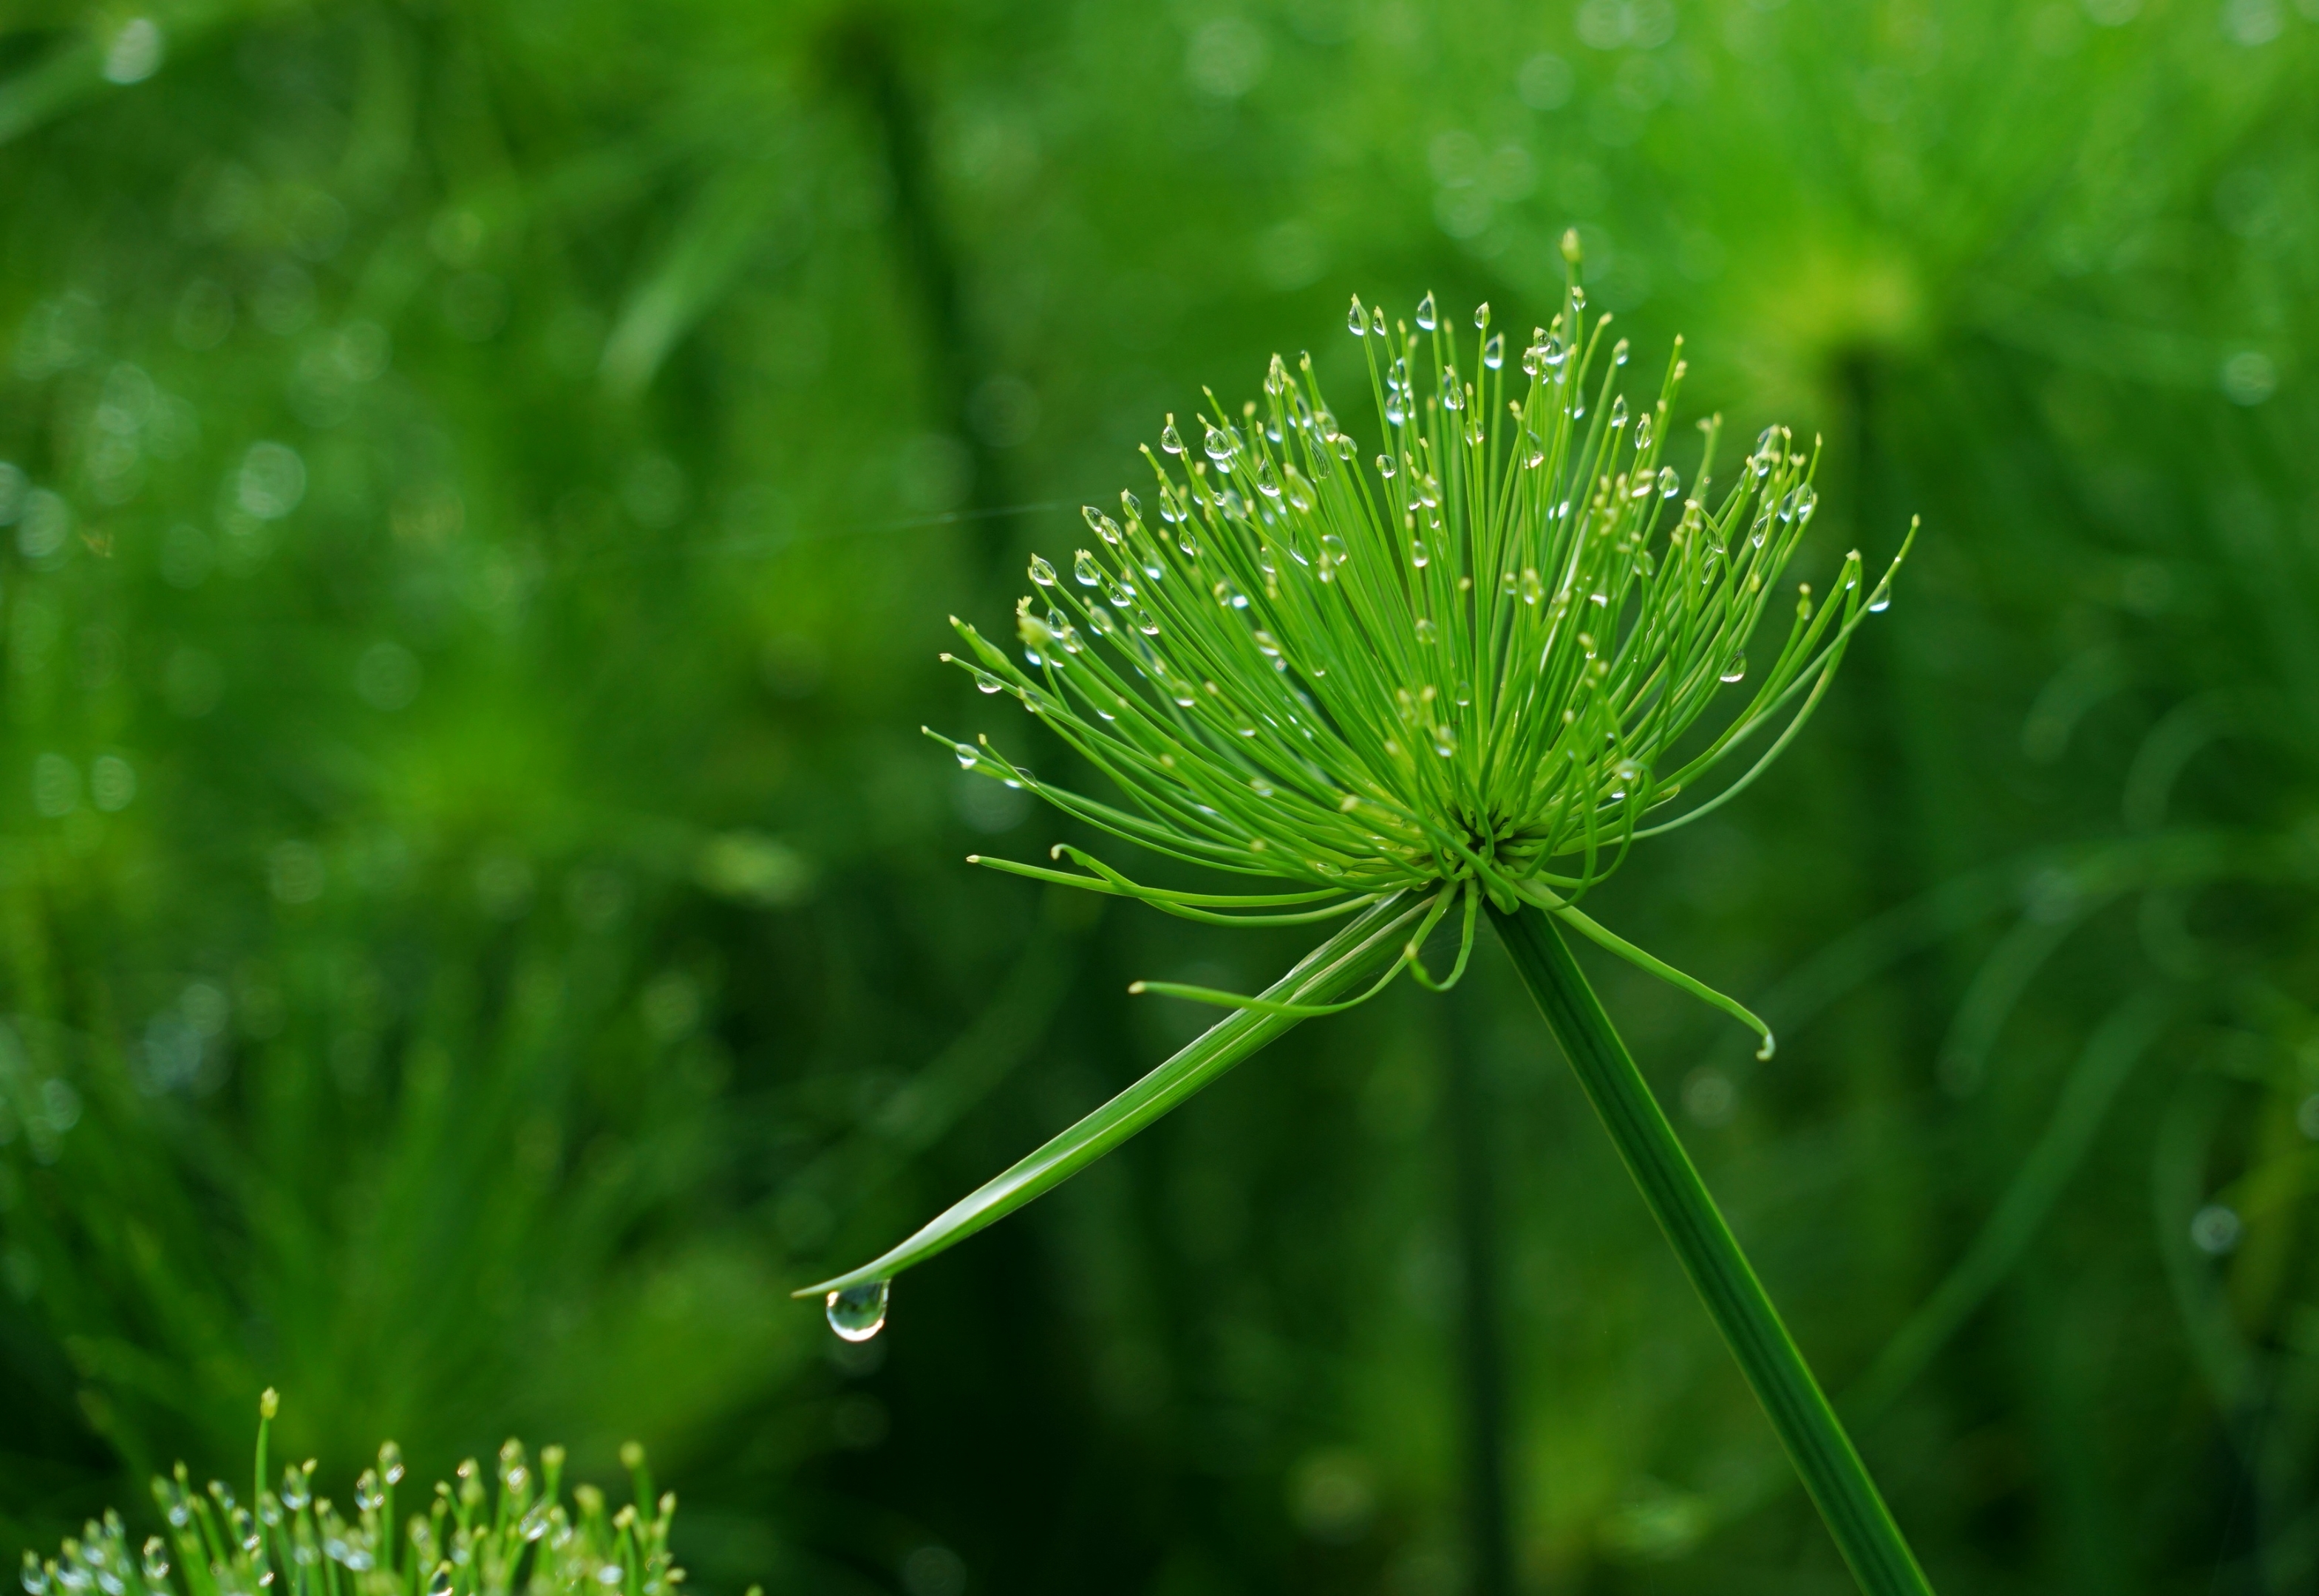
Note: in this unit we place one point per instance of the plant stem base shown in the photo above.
(1848, 1499)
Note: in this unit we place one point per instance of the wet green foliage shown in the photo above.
(479, 926)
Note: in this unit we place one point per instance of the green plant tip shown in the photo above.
(1472, 660)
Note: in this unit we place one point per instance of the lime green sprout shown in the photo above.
(1471, 663)
(462, 1540)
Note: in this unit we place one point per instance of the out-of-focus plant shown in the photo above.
(467, 1540)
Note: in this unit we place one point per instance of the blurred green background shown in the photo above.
(478, 923)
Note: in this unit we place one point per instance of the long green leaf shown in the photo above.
(1374, 939)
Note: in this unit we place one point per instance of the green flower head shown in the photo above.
(1474, 657)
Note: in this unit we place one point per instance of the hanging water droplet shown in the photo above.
(1532, 588)
(157, 1560)
(1267, 481)
(1670, 484)
(859, 1312)
(1358, 319)
(441, 1584)
(1482, 317)
(1880, 599)
(987, 682)
(1100, 523)
(1385, 467)
(1764, 440)
(1737, 670)
(1170, 440)
(1042, 572)
(367, 1496)
(1131, 504)
(1643, 432)
(1084, 568)
(1417, 552)
(1428, 632)
(1464, 694)
(1345, 447)
(1445, 740)
(1219, 444)
(1493, 353)
(1599, 599)
(1533, 450)
(1806, 501)
(1619, 411)
(968, 758)
(1425, 313)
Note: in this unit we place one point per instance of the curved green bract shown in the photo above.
(1375, 938)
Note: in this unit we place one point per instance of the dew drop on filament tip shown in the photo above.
(859, 1312)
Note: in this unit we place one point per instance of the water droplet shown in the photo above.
(1230, 597)
(1533, 450)
(1643, 433)
(157, 1560)
(367, 1496)
(1170, 440)
(1385, 467)
(986, 682)
(1532, 588)
(1042, 572)
(1670, 484)
(1376, 321)
(1619, 411)
(1736, 670)
(1445, 740)
(967, 756)
(1086, 570)
(440, 1585)
(1428, 632)
(1426, 318)
(1417, 552)
(1619, 353)
(1493, 353)
(1880, 599)
(859, 1312)
(1600, 599)
(1131, 504)
(1764, 440)
(1102, 524)
(1358, 319)
(1219, 444)
(1267, 481)
(1806, 501)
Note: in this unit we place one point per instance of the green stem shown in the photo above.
(1839, 1482)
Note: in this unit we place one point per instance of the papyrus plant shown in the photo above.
(1467, 666)
(462, 1540)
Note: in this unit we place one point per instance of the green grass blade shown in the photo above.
(1358, 950)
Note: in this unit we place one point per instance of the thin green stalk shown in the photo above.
(1856, 1515)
